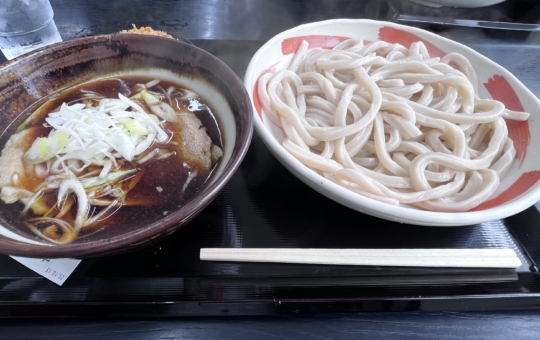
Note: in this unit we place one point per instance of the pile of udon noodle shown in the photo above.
(392, 123)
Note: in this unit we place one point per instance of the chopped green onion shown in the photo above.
(135, 127)
(149, 98)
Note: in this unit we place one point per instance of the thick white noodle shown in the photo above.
(392, 123)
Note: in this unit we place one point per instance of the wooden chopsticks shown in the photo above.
(458, 258)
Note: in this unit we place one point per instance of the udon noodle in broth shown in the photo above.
(111, 153)
(392, 123)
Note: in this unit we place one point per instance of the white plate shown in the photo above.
(518, 190)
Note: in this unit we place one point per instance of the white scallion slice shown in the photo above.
(97, 135)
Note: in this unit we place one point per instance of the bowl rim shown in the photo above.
(359, 202)
(159, 228)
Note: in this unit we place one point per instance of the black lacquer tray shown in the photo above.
(266, 206)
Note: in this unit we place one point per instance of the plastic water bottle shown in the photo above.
(26, 25)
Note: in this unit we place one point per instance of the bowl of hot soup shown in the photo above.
(112, 142)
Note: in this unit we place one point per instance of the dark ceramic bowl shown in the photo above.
(32, 78)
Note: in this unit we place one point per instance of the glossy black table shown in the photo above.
(265, 206)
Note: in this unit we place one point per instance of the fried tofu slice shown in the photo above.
(11, 161)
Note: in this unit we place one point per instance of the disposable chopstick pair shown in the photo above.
(458, 258)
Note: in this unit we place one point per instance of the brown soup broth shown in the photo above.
(162, 180)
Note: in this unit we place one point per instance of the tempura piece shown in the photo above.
(148, 31)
